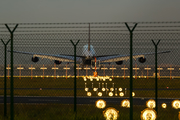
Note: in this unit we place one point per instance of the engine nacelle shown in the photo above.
(119, 62)
(142, 60)
(57, 62)
(35, 59)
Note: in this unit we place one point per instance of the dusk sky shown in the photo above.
(27, 11)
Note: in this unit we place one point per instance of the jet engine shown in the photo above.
(142, 60)
(119, 62)
(35, 59)
(57, 62)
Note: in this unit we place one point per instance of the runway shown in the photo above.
(140, 89)
(80, 100)
(111, 70)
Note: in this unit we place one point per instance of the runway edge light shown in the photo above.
(148, 114)
(100, 103)
(111, 113)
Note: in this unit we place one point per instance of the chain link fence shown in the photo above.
(43, 71)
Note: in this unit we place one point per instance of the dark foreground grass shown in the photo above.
(84, 112)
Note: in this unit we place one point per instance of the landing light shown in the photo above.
(164, 105)
(120, 89)
(111, 94)
(133, 94)
(88, 93)
(111, 114)
(121, 94)
(176, 104)
(148, 114)
(111, 89)
(95, 89)
(151, 103)
(103, 89)
(125, 103)
(86, 89)
(100, 94)
(100, 104)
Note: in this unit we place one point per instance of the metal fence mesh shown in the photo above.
(45, 89)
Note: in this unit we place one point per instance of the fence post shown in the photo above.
(5, 97)
(12, 87)
(156, 82)
(131, 69)
(74, 74)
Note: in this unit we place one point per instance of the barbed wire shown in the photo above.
(88, 31)
(90, 27)
(160, 22)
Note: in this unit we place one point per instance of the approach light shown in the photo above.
(120, 89)
(151, 103)
(100, 94)
(133, 94)
(103, 89)
(148, 114)
(110, 94)
(91, 79)
(111, 89)
(110, 79)
(104, 79)
(97, 79)
(100, 104)
(86, 89)
(89, 94)
(111, 113)
(95, 89)
(85, 79)
(164, 105)
(121, 94)
(125, 103)
(176, 104)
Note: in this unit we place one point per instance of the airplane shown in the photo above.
(88, 57)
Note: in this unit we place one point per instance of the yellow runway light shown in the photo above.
(121, 94)
(111, 89)
(86, 89)
(120, 89)
(100, 94)
(148, 114)
(151, 103)
(164, 105)
(111, 114)
(100, 104)
(103, 89)
(133, 94)
(176, 104)
(89, 94)
(110, 94)
(125, 103)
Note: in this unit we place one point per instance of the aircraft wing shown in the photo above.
(116, 58)
(63, 58)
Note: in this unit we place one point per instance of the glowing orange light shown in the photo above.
(100, 104)
(176, 104)
(151, 103)
(125, 103)
(148, 114)
(111, 114)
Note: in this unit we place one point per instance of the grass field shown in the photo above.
(85, 112)
(50, 87)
